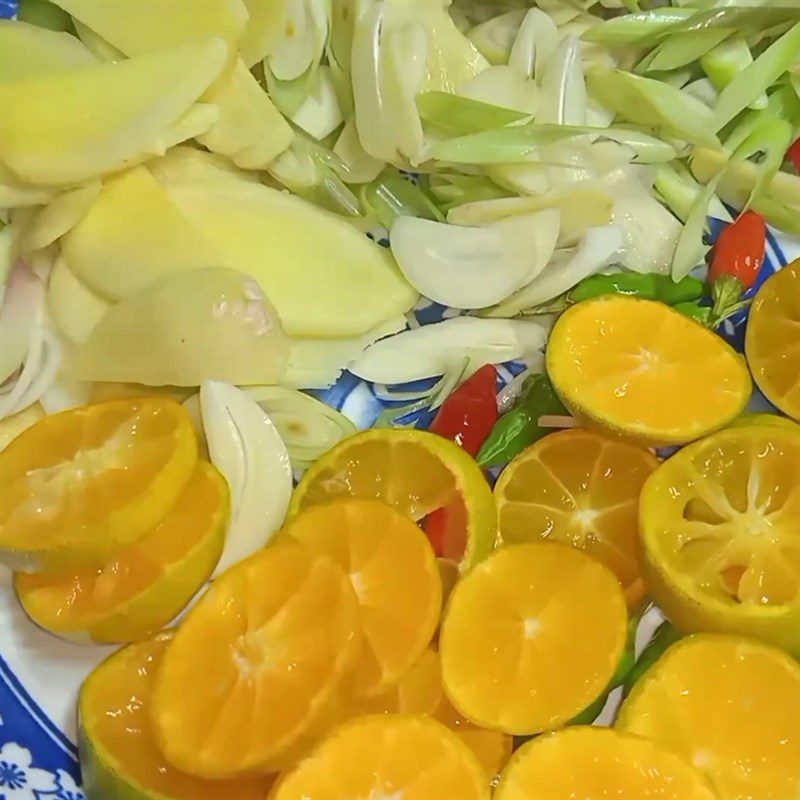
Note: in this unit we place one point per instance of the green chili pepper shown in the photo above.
(664, 637)
(647, 286)
(519, 427)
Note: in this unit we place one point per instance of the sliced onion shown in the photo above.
(61, 215)
(20, 314)
(563, 97)
(465, 267)
(64, 393)
(503, 86)
(597, 250)
(434, 349)
(534, 45)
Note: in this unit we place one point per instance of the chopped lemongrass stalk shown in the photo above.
(358, 166)
(685, 48)
(769, 143)
(631, 28)
(702, 90)
(392, 195)
(650, 102)
(457, 115)
(505, 87)
(557, 421)
(521, 143)
(563, 95)
(725, 61)
(534, 45)
(320, 115)
(470, 268)
(752, 81)
(429, 351)
(451, 189)
(452, 378)
(691, 249)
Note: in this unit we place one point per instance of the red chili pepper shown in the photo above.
(469, 414)
(793, 154)
(446, 529)
(739, 251)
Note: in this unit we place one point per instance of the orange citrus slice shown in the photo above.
(80, 484)
(645, 372)
(582, 488)
(147, 583)
(531, 637)
(772, 340)
(729, 705)
(387, 756)
(252, 673)
(721, 534)
(118, 754)
(394, 574)
(418, 473)
(598, 762)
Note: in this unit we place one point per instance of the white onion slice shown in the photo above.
(534, 45)
(20, 314)
(434, 349)
(562, 100)
(246, 448)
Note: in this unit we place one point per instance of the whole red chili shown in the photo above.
(739, 251)
(469, 414)
(793, 154)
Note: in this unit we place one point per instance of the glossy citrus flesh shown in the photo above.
(253, 671)
(78, 485)
(119, 757)
(582, 488)
(147, 583)
(418, 473)
(507, 663)
(387, 756)
(729, 705)
(644, 371)
(590, 762)
(721, 537)
(394, 574)
(772, 340)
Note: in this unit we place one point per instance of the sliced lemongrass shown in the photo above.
(456, 114)
(320, 114)
(563, 95)
(358, 165)
(467, 268)
(534, 45)
(503, 86)
(429, 351)
(245, 446)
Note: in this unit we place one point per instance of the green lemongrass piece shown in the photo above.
(457, 115)
(685, 48)
(649, 102)
(752, 81)
(678, 191)
(702, 90)
(450, 381)
(454, 190)
(631, 28)
(691, 249)
(725, 61)
(521, 143)
(769, 143)
(288, 96)
(391, 195)
(782, 104)
(388, 417)
(495, 37)
(779, 215)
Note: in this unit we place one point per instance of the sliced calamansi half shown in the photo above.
(772, 339)
(531, 637)
(394, 574)
(78, 485)
(642, 371)
(582, 488)
(118, 754)
(418, 473)
(387, 756)
(598, 762)
(729, 705)
(147, 583)
(253, 672)
(720, 527)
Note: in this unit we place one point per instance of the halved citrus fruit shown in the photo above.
(729, 705)
(598, 762)
(582, 488)
(118, 754)
(147, 583)
(645, 372)
(531, 637)
(418, 473)
(387, 756)
(720, 523)
(772, 339)
(253, 671)
(394, 574)
(80, 484)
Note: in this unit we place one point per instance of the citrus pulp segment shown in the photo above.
(645, 372)
(147, 583)
(729, 705)
(252, 673)
(387, 756)
(598, 762)
(118, 754)
(507, 663)
(393, 573)
(415, 471)
(721, 534)
(772, 339)
(582, 488)
(78, 485)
